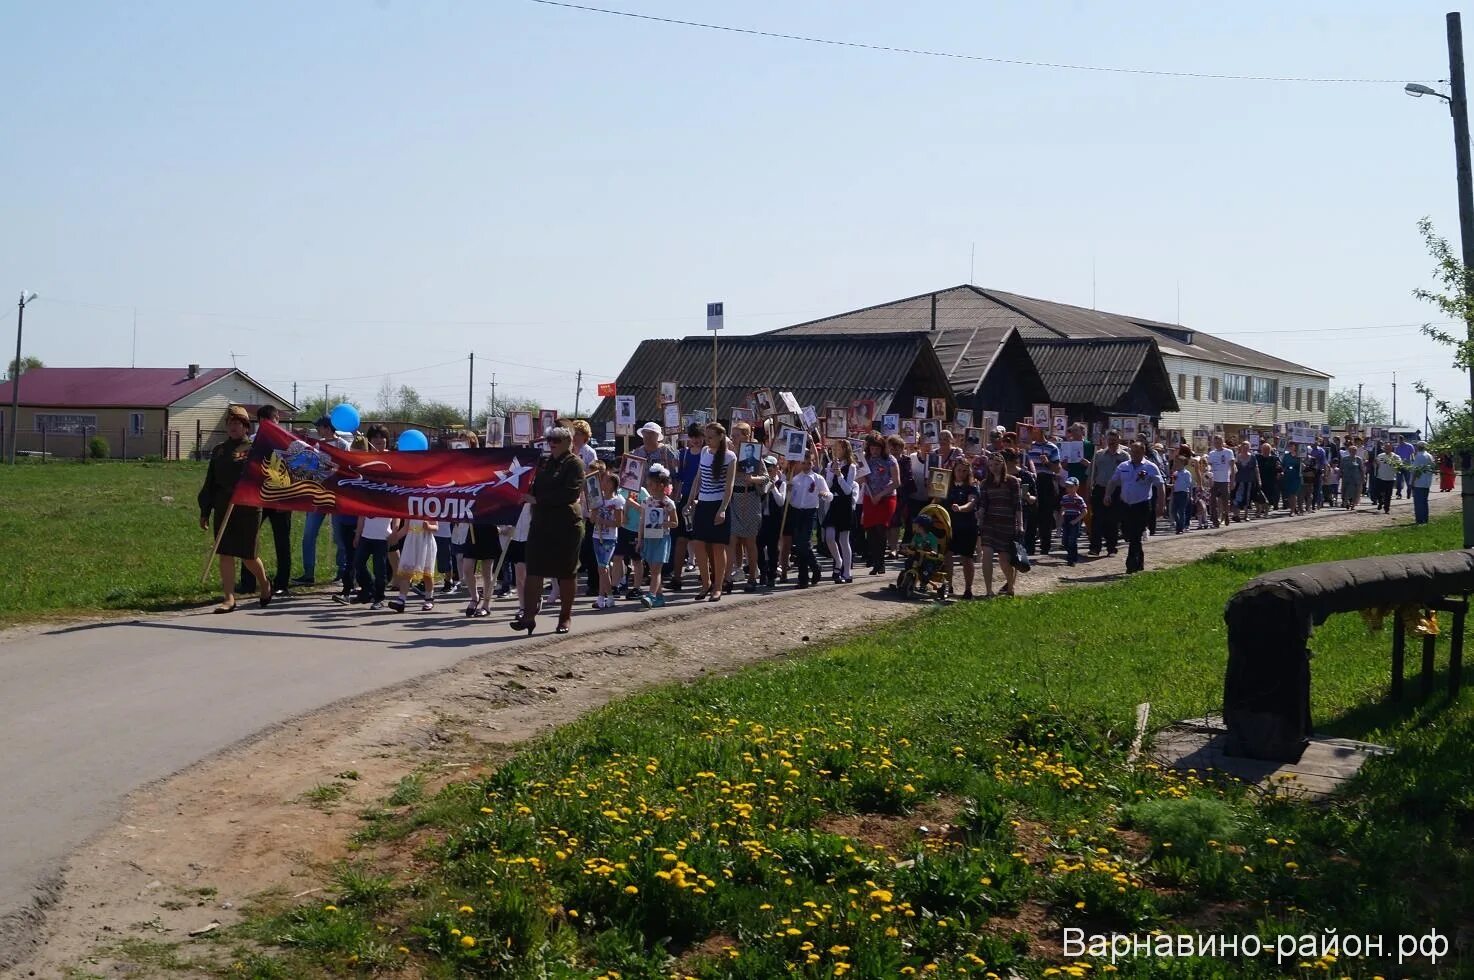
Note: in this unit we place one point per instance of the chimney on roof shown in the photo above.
(933, 311)
(194, 371)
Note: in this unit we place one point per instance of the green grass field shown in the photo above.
(762, 825)
(83, 539)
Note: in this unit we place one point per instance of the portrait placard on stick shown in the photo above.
(794, 443)
(963, 421)
(624, 411)
(939, 409)
(672, 413)
(667, 392)
(496, 432)
(522, 428)
(890, 424)
(939, 482)
(919, 406)
(836, 424)
(1041, 415)
(632, 472)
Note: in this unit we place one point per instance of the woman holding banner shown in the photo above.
(555, 532)
(235, 527)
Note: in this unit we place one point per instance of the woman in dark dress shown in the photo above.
(556, 530)
(962, 502)
(1269, 473)
(227, 463)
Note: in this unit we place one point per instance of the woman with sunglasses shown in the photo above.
(555, 533)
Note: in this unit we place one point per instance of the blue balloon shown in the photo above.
(344, 418)
(412, 440)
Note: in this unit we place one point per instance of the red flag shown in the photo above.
(472, 485)
(608, 389)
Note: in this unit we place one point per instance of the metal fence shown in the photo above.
(77, 444)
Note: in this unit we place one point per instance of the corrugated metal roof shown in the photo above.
(1100, 371)
(1077, 322)
(967, 330)
(837, 368)
(970, 317)
(64, 387)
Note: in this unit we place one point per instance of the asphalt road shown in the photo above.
(90, 713)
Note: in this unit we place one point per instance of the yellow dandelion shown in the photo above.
(469, 942)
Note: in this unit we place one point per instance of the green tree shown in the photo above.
(1341, 408)
(1454, 298)
(315, 408)
(26, 364)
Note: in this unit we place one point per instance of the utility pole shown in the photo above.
(294, 394)
(1426, 396)
(493, 395)
(325, 407)
(1358, 404)
(577, 394)
(471, 396)
(16, 371)
(1394, 398)
(1458, 107)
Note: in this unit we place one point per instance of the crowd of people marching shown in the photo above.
(700, 525)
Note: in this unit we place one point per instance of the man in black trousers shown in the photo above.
(281, 534)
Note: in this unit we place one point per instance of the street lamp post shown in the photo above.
(20, 320)
(1458, 107)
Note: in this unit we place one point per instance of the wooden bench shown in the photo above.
(1266, 688)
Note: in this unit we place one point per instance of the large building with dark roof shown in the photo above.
(890, 367)
(1100, 364)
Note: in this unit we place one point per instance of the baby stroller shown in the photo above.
(922, 571)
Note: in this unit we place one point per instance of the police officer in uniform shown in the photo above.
(227, 463)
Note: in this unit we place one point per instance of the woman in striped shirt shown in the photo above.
(710, 531)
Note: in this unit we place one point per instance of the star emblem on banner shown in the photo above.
(512, 474)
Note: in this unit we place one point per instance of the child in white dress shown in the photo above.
(416, 562)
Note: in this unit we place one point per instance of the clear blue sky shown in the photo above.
(331, 189)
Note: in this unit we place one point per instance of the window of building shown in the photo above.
(1212, 389)
(1182, 386)
(1262, 391)
(135, 423)
(1235, 387)
(1197, 387)
(70, 424)
(1285, 397)
(1320, 400)
(1299, 398)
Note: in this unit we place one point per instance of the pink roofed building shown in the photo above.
(177, 413)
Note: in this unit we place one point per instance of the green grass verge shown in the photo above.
(81, 539)
(763, 825)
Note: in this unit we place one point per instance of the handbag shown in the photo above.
(1020, 556)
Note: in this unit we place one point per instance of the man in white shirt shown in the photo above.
(1220, 464)
(1385, 469)
(1420, 476)
(1105, 518)
(1141, 484)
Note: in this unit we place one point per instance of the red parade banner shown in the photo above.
(608, 389)
(286, 472)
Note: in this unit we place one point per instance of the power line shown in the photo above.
(959, 56)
